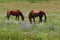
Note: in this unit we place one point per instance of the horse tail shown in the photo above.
(21, 15)
(45, 17)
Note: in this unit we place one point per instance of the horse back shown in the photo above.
(36, 13)
(13, 12)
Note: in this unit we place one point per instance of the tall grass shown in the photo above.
(19, 30)
(32, 1)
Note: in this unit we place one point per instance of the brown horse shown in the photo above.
(36, 13)
(16, 13)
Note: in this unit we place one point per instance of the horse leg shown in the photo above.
(18, 17)
(8, 18)
(40, 19)
(30, 20)
(34, 20)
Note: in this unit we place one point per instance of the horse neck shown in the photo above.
(22, 17)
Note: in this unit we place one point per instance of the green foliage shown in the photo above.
(14, 30)
(32, 1)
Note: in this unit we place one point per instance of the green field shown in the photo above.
(17, 30)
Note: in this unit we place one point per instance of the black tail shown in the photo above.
(45, 17)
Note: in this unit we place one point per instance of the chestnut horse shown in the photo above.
(36, 13)
(16, 13)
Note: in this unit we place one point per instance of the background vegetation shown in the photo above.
(18, 30)
(32, 1)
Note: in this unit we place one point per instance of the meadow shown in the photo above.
(19, 30)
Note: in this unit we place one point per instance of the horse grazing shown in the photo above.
(16, 13)
(36, 13)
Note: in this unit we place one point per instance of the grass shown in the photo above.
(17, 30)
(34, 1)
